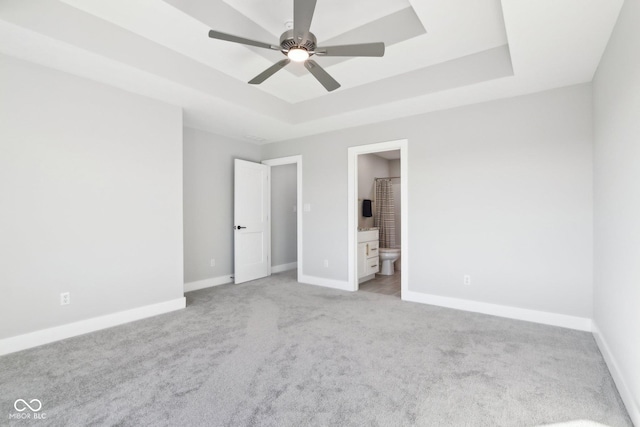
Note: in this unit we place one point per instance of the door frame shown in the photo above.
(297, 160)
(353, 153)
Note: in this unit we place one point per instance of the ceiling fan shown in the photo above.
(299, 44)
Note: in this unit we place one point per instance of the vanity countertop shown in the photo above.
(369, 235)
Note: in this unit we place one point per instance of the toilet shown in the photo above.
(387, 257)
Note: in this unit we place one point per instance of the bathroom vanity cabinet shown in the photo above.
(368, 263)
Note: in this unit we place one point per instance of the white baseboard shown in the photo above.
(284, 267)
(342, 285)
(207, 283)
(57, 333)
(554, 319)
(626, 395)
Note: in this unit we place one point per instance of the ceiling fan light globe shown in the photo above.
(298, 54)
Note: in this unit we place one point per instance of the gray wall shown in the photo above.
(91, 184)
(208, 202)
(325, 190)
(370, 167)
(617, 202)
(283, 216)
(501, 191)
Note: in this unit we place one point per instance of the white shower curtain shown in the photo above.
(384, 218)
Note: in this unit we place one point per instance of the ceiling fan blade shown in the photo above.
(269, 72)
(365, 49)
(231, 38)
(321, 75)
(302, 16)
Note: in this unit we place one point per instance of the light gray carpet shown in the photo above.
(276, 353)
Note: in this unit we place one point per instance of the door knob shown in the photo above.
(239, 227)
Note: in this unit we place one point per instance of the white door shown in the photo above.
(252, 230)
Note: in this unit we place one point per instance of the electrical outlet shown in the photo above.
(326, 263)
(65, 298)
(467, 279)
(213, 262)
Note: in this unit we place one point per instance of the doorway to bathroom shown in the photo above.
(378, 217)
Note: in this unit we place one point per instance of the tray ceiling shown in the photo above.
(440, 54)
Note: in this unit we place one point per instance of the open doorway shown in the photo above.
(286, 215)
(379, 223)
(378, 217)
(284, 256)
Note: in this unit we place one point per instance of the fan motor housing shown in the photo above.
(287, 42)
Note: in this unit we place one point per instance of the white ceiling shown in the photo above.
(440, 54)
(272, 15)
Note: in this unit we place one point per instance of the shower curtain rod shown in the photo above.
(387, 177)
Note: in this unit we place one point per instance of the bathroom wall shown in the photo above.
(370, 167)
